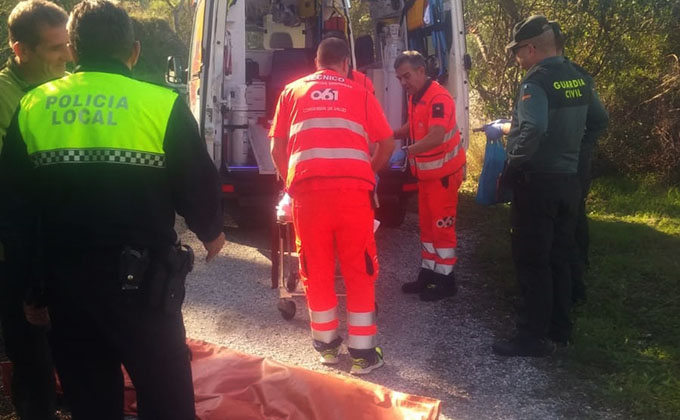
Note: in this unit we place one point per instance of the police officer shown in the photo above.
(436, 158)
(588, 146)
(38, 37)
(320, 144)
(553, 110)
(105, 161)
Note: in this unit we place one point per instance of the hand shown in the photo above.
(37, 315)
(494, 129)
(213, 247)
(405, 150)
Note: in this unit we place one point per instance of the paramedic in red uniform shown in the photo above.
(437, 158)
(320, 144)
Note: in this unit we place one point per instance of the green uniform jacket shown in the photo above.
(556, 108)
(12, 88)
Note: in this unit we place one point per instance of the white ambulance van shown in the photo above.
(243, 52)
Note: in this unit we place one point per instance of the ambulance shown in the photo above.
(243, 53)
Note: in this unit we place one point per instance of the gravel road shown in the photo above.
(441, 350)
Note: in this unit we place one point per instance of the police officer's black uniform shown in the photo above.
(554, 108)
(107, 225)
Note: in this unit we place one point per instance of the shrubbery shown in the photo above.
(631, 49)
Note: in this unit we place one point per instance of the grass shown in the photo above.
(627, 336)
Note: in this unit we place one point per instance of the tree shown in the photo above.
(626, 45)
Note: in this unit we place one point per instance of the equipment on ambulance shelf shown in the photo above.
(381, 9)
(306, 8)
(286, 12)
(415, 14)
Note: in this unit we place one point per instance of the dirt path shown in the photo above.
(441, 350)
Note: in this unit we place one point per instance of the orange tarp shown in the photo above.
(232, 385)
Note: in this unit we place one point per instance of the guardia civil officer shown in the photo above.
(39, 41)
(554, 108)
(106, 161)
(588, 145)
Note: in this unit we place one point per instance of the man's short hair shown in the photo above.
(332, 51)
(414, 58)
(28, 17)
(100, 29)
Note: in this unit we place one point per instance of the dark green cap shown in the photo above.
(528, 28)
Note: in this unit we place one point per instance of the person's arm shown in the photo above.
(194, 179)
(532, 115)
(278, 135)
(433, 138)
(382, 154)
(401, 132)
(18, 211)
(279, 152)
(596, 122)
(441, 111)
(379, 133)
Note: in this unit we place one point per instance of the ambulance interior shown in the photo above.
(281, 40)
(281, 37)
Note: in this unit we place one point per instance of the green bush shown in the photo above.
(158, 42)
(630, 47)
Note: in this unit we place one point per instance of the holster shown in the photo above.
(162, 275)
(168, 277)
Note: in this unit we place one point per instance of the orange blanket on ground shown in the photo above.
(232, 385)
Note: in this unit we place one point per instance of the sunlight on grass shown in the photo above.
(626, 336)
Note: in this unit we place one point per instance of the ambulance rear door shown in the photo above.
(459, 68)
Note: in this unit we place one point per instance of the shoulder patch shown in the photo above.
(438, 110)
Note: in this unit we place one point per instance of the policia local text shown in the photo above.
(98, 109)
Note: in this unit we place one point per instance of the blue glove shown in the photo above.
(494, 129)
(397, 157)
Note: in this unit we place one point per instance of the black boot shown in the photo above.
(441, 287)
(424, 277)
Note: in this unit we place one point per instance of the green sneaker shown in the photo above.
(362, 366)
(330, 356)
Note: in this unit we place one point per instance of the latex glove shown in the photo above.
(398, 157)
(284, 213)
(494, 129)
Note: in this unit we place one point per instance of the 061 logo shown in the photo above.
(325, 95)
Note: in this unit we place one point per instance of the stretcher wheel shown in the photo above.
(292, 282)
(286, 308)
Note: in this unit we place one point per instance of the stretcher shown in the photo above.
(285, 274)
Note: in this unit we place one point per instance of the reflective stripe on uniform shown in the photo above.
(361, 342)
(439, 163)
(445, 253)
(327, 123)
(429, 264)
(328, 153)
(361, 319)
(443, 268)
(325, 336)
(98, 155)
(428, 247)
(322, 317)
